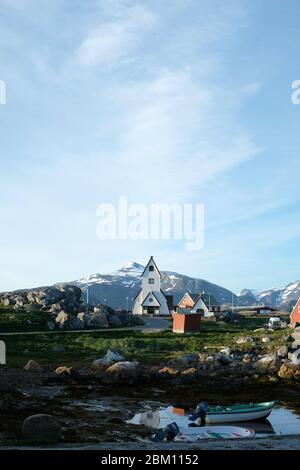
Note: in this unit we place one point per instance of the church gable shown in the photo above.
(151, 268)
(151, 301)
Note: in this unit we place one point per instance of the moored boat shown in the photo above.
(191, 434)
(212, 432)
(234, 413)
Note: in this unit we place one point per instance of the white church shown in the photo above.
(151, 300)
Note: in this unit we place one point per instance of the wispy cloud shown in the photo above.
(116, 40)
(153, 99)
(166, 115)
(176, 124)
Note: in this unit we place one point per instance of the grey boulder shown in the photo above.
(41, 428)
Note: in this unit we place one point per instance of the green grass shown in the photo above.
(150, 348)
(20, 320)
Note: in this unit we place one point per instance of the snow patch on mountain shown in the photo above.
(126, 282)
(93, 279)
(290, 289)
(130, 269)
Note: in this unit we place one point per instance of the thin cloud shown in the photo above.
(176, 124)
(115, 40)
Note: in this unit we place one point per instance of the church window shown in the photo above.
(151, 268)
(151, 281)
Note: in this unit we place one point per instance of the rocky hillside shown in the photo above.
(63, 307)
(281, 297)
(247, 297)
(51, 299)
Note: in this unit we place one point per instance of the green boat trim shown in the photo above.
(242, 408)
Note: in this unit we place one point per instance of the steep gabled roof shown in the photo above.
(297, 305)
(194, 297)
(137, 294)
(151, 261)
(153, 295)
(207, 298)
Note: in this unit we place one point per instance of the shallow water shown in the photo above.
(282, 420)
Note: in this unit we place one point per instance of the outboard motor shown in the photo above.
(200, 412)
(168, 433)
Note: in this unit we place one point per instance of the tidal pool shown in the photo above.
(282, 420)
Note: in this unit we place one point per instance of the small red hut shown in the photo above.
(295, 315)
(186, 322)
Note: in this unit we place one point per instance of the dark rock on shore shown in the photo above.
(33, 366)
(269, 363)
(41, 428)
(126, 371)
(289, 371)
(110, 358)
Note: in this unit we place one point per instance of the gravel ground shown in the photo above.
(270, 443)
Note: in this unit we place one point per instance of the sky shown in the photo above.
(181, 101)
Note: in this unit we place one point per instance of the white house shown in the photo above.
(195, 303)
(151, 300)
(201, 305)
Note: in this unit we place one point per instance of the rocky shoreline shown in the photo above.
(64, 399)
(89, 403)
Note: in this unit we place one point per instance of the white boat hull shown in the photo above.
(236, 417)
(194, 434)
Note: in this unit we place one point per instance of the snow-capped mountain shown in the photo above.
(120, 287)
(247, 297)
(280, 297)
(115, 289)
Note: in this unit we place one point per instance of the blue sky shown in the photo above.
(174, 101)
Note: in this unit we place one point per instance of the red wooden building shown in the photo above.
(295, 315)
(186, 322)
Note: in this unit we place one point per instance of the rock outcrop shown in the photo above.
(51, 299)
(269, 363)
(245, 340)
(295, 357)
(289, 371)
(33, 366)
(283, 352)
(123, 370)
(41, 429)
(64, 371)
(68, 322)
(93, 319)
(110, 358)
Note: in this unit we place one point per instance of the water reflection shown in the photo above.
(151, 419)
(280, 421)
